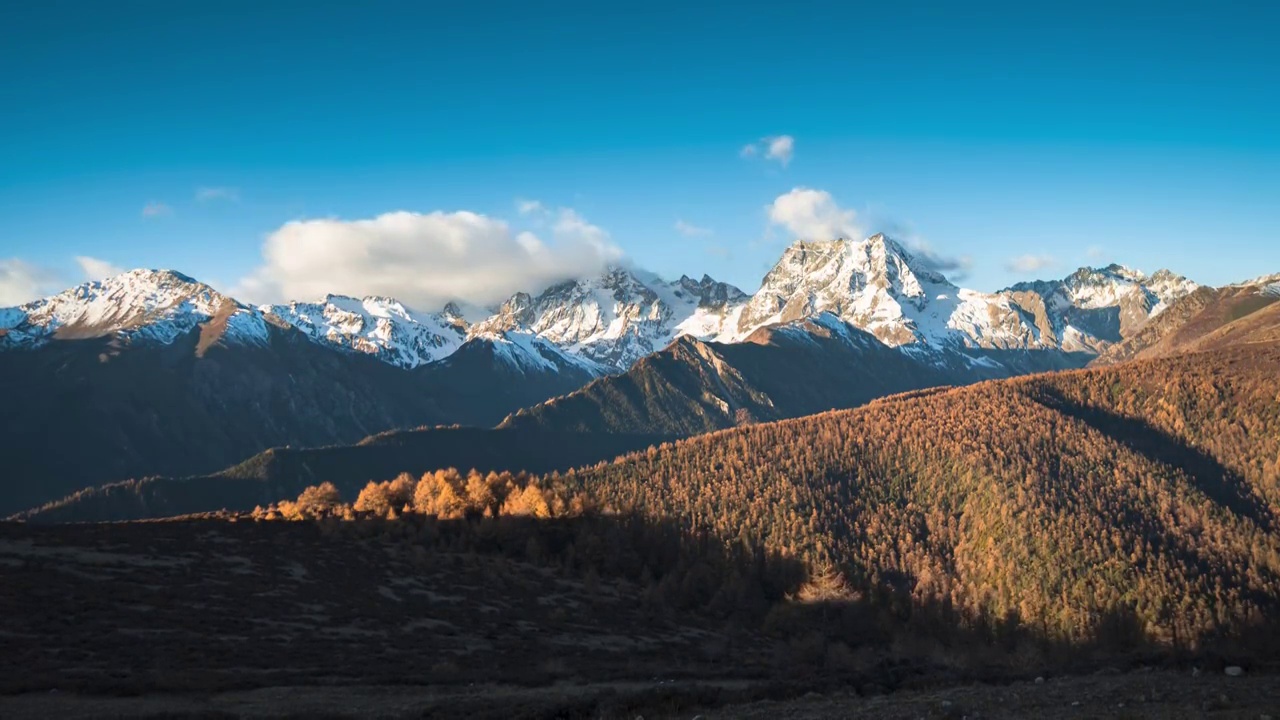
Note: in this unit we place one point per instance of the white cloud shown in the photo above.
(426, 259)
(690, 230)
(95, 269)
(21, 281)
(1095, 252)
(781, 148)
(530, 207)
(813, 215)
(775, 147)
(156, 209)
(210, 194)
(1029, 263)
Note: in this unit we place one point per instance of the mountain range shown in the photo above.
(605, 324)
(156, 373)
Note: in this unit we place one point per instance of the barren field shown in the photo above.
(210, 618)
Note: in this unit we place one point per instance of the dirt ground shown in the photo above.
(285, 620)
(172, 607)
(1156, 694)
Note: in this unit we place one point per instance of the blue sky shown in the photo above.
(1024, 140)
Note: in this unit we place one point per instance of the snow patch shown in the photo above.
(620, 316)
(378, 326)
(148, 306)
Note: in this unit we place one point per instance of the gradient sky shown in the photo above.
(1026, 140)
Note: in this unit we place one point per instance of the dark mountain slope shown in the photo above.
(284, 472)
(779, 372)
(87, 412)
(1134, 501)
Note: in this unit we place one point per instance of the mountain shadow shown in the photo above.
(87, 412)
(283, 472)
(587, 599)
(785, 371)
(1223, 486)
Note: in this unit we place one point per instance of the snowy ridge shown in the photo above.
(1095, 307)
(377, 326)
(878, 286)
(828, 325)
(526, 352)
(618, 317)
(606, 323)
(139, 305)
(1094, 288)
(1266, 284)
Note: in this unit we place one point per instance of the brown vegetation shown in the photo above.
(1065, 521)
(1122, 509)
(1130, 506)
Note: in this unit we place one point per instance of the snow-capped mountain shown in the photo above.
(378, 326)
(139, 306)
(620, 316)
(1266, 284)
(1094, 307)
(606, 323)
(878, 286)
(525, 353)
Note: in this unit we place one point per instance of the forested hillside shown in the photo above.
(1117, 504)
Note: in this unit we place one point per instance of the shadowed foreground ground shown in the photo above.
(217, 619)
(1140, 694)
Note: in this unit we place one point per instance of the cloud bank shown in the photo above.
(427, 259)
(21, 282)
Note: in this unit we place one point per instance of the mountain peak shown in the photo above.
(875, 284)
(376, 325)
(144, 304)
